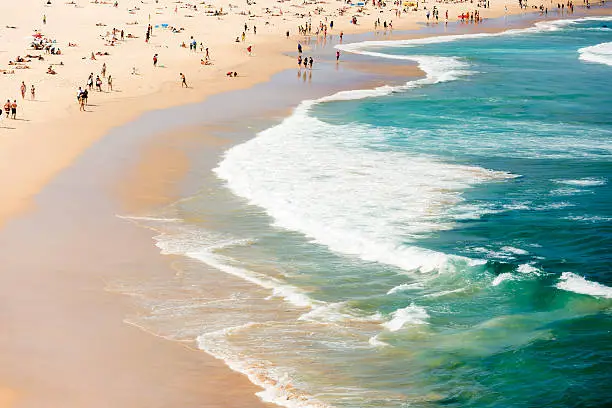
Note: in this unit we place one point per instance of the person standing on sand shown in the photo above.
(14, 109)
(155, 60)
(310, 62)
(7, 108)
(81, 102)
(183, 81)
(33, 92)
(110, 83)
(103, 70)
(44, 19)
(337, 56)
(23, 89)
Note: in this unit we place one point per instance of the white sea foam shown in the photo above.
(445, 292)
(337, 312)
(413, 314)
(204, 246)
(578, 284)
(376, 342)
(567, 191)
(320, 179)
(584, 182)
(502, 277)
(588, 218)
(542, 26)
(600, 53)
(276, 382)
(405, 286)
(513, 250)
(528, 269)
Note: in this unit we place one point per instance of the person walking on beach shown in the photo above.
(337, 56)
(90, 81)
(14, 109)
(310, 62)
(7, 108)
(33, 92)
(183, 81)
(44, 19)
(155, 60)
(99, 84)
(81, 100)
(23, 89)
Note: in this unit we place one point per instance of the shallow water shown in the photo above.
(444, 242)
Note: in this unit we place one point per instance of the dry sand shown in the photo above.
(51, 133)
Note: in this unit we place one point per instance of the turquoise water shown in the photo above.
(442, 243)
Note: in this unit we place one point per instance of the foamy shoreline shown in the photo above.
(52, 132)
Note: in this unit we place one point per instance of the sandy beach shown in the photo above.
(88, 355)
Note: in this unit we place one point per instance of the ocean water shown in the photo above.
(447, 242)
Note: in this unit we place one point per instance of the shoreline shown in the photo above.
(30, 183)
(154, 213)
(60, 124)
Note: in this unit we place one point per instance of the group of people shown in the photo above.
(306, 61)
(10, 108)
(82, 96)
(83, 93)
